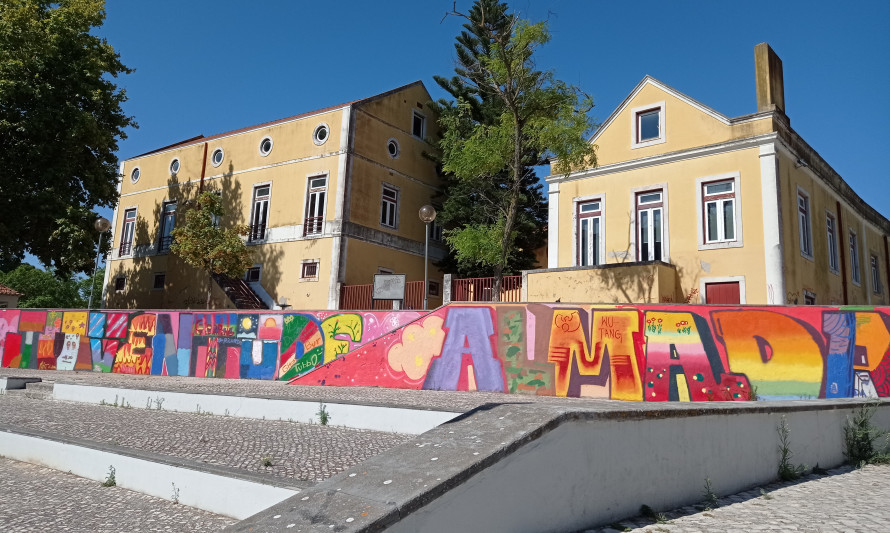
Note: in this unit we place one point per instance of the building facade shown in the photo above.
(330, 197)
(689, 205)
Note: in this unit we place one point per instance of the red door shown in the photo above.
(722, 293)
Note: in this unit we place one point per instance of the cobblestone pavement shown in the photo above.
(298, 451)
(844, 500)
(37, 499)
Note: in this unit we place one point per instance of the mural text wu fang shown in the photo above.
(639, 352)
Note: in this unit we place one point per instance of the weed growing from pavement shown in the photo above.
(711, 499)
(266, 462)
(323, 416)
(788, 471)
(860, 437)
(175, 495)
(765, 494)
(110, 479)
(123, 403)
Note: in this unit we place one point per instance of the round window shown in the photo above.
(134, 176)
(217, 157)
(266, 146)
(392, 147)
(321, 134)
(174, 166)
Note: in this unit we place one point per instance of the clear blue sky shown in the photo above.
(205, 67)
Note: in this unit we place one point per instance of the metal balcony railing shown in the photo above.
(164, 244)
(313, 225)
(256, 232)
(126, 248)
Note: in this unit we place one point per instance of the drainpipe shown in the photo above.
(886, 264)
(203, 170)
(840, 238)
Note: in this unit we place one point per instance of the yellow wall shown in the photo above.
(685, 127)
(294, 158)
(682, 216)
(365, 259)
(651, 283)
(812, 273)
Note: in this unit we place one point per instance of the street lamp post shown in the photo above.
(427, 214)
(101, 224)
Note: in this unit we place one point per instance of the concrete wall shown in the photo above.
(272, 345)
(589, 472)
(626, 352)
(630, 352)
(618, 283)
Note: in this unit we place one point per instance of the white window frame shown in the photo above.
(415, 114)
(392, 141)
(805, 224)
(576, 228)
(831, 236)
(222, 157)
(260, 146)
(855, 264)
(166, 229)
(665, 226)
(253, 212)
(319, 127)
(635, 125)
(700, 201)
(303, 263)
(322, 203)
(132, 232)
(175, 162)
(875, 274)
(387, 205)
(120, 277)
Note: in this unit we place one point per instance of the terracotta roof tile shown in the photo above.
(8, 292)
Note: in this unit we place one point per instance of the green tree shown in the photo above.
(203, 244)
(477, 202)
(60, 123)
(533, 118)
(44, 290)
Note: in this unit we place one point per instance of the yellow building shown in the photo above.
(331, 198)
(689, 205)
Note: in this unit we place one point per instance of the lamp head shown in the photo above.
(427, 214)
(101, 224)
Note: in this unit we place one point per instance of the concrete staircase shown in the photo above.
(38, 390)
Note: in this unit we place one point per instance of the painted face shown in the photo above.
(68, 357)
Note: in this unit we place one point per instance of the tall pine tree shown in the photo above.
(506, 118)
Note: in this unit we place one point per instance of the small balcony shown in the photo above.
(126, 248)
(256, 233)
(164, 244)
(313, 226)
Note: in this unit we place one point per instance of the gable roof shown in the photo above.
(201, 138)
(649, 80)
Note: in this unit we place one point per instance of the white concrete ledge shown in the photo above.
(391, 419)
(222, 495)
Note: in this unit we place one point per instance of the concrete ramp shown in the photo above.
(560, 466)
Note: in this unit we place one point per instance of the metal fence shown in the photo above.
(359, 297)
(480, 289)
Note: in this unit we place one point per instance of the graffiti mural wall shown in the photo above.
(639, 352)
(274, 345)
